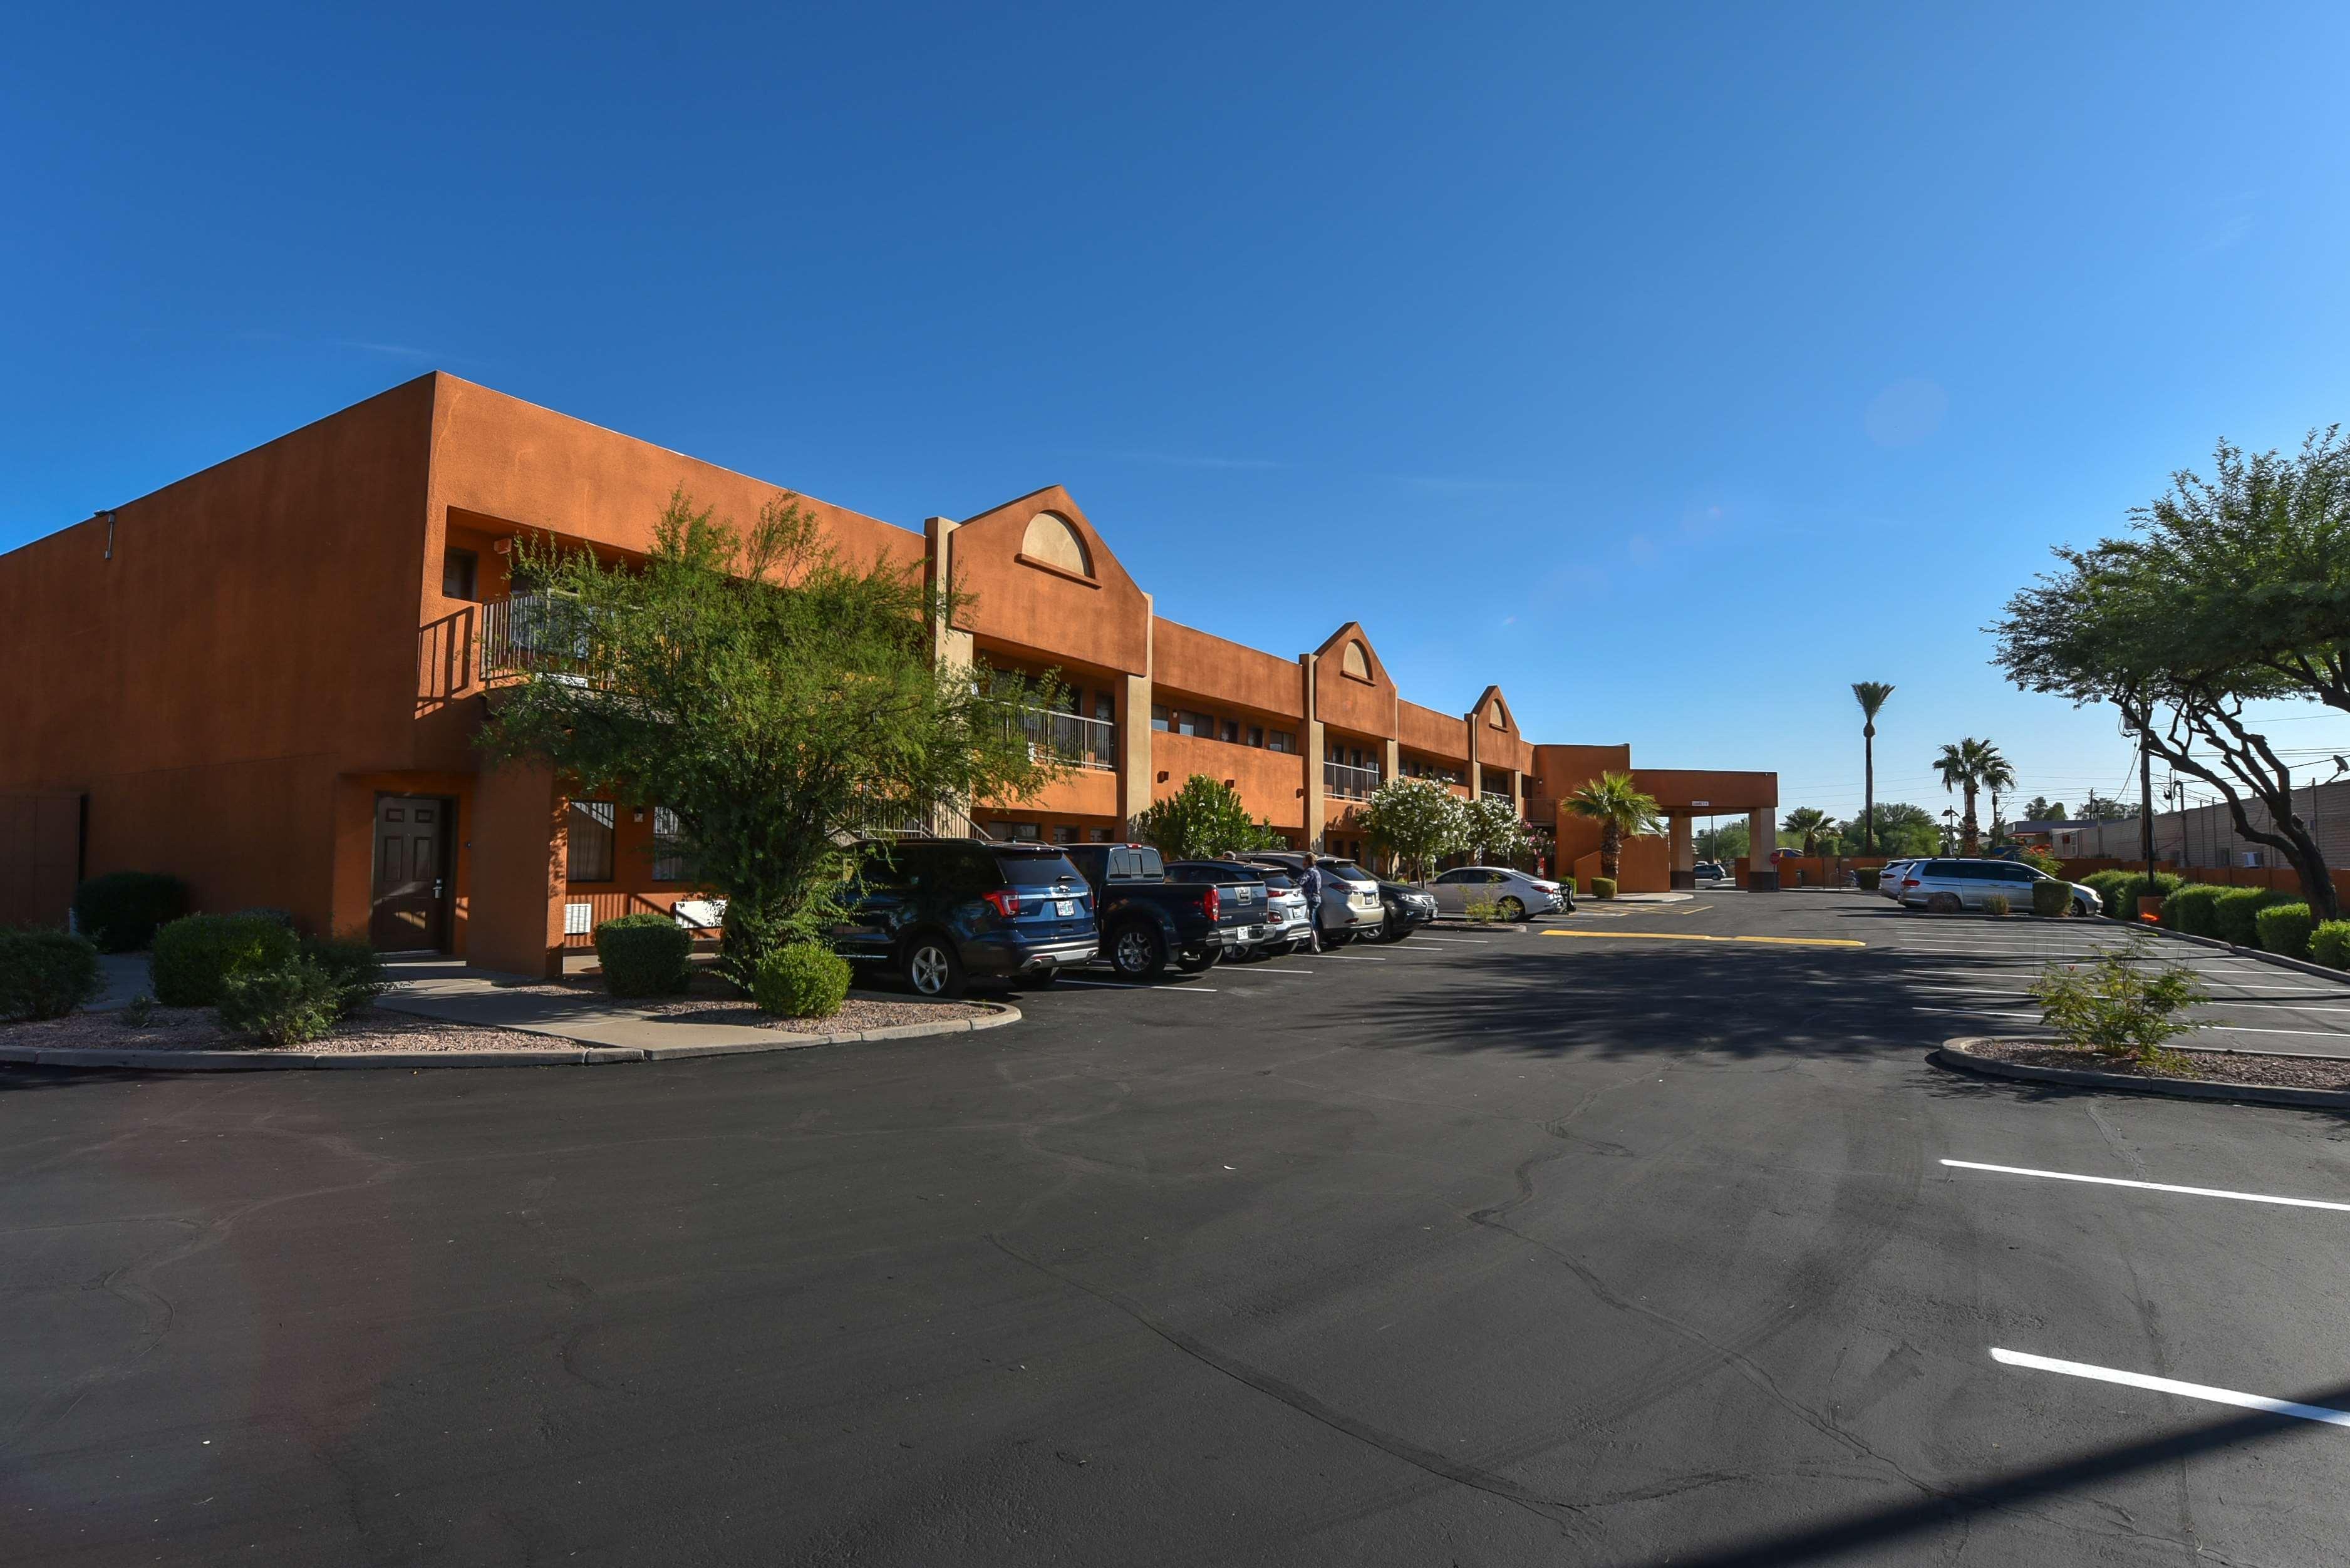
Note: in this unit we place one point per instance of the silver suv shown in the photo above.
(1947, 886)
(1350, 895)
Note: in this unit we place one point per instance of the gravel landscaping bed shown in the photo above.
(710, 1000)
(196, 1029)
(2206, 1066)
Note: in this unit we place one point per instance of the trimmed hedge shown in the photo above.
(356, 969)
(1998, 904)
(2052, 898)
(2190, 910)
(2236, 913)
(1603, 887)
(1867, 878)
(288, 1004)
(120, 910)
(644, 954)
(46, 974)
(2284, 930)
(801, 981)
(2122, 889)
(2329, 944)
(195, 955)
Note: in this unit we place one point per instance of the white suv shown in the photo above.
(1947, 886)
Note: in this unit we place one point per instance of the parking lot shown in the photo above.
(1644, 1235)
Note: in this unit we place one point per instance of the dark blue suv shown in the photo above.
(943, 912)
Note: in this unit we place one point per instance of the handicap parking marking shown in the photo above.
(1701, 937)
(2204, 1391)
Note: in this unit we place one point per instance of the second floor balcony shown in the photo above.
(1071, 738)
(1345, 782)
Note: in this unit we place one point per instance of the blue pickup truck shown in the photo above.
(1147, 922)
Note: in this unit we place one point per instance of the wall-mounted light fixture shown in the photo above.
(110, 533)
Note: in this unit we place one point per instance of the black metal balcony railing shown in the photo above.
(1349, 782)
(533, 634)
(1071, 738)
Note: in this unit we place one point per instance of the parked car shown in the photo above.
(1407, 908)
(1350, 895)
(1709, 871)
(1286, 927)
(943, 912)
(1148, 921)
(1888, 880)
(1947, 886)
(1517, 895)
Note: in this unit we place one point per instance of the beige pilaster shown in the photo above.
(1762, 837)
(1134, 776)
(1684, 851)
(1311, 742)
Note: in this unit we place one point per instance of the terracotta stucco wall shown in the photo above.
(1271, 784)
(1102, 620)
(252, 637)
(1194, 663)
(1724, 793)
(1344, 701)
(1443, 735)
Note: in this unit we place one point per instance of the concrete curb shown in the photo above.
(1954, 1054)
(1000, 1014)
(2303, 965)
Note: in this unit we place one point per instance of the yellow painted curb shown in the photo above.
(1698, 937)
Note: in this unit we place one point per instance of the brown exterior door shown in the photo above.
(410, 912)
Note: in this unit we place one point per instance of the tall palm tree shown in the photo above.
(1812, 824)
(1997, 776)
(1969, 766)
(1616, 805)
(1871, 695)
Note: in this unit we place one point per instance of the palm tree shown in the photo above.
(1997, 775)
(1813, 823)
(1970, 765)
(1871, 695)
(1616, 805)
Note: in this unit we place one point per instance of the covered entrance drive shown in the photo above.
(1685, 796)
(408, 908)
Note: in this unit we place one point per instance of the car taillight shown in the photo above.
(1910, 881)
(1211, 906)
(1005, 901)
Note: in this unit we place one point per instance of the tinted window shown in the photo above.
(1454, 878)
(2017, 874)
(1345, 870)
(1280, 882)
(1939, 868)
(1036, 870)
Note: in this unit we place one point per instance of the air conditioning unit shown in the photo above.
(2255, 859)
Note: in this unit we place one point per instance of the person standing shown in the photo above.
(1309, 882)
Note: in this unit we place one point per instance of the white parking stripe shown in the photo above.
(1123, 985)
(2150, 1185)
(1458, 941)
(1352, 958)
(1281, 971)
(2172, 1385)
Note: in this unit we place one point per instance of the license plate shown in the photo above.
(1253, 934)
(1065, 908)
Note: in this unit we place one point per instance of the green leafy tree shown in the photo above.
(1492, 833)
(1417, 821)
(2097, 808)
(2229, 593)
(1723, 844)
(1203, 820)
(1970, 765)
(776, 696)
(2042, 809)
(1618, 806)
(1871, 696)
(1809, 825)
(2120, 1004)
(1901, 829)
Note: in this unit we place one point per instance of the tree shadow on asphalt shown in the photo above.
(1860, 1533)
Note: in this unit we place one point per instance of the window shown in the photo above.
(1160, 717)
(1098, 835)
(669, 853)
(1281, 741)
(461, 575)
(1256, 735)
(1064, 835)
(1104, 707)
(1231, 732)
(1188, 722)
(591, 840)
(1021, 832)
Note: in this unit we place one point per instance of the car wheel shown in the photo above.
(1199, 962)
(2081, 907)
(1943, 904)
(932, 967)
(1138, 953)
(1514, 909)
(1336, 939)
(1395, 932)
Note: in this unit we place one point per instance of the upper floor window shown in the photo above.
(461, 575)
(1280, 741)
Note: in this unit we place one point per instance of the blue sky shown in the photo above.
(1675, 369)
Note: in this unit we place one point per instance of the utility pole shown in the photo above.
(2146, 813)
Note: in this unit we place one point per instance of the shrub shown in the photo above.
(2122, 889)
(46, 974)
(356, 968)
(2189, 909)
(2052, 898)
(1483, 911)
(2329, 944)
(2236, 913)
(801, 981)
(137, 1012)
(1603, 887)
(120, 910)
(272, 912)
(196, 953)
(644, 955)
(2118, 1005)
(2284, 930)
(287, 1003)
(1997, 904)
(1867, 878)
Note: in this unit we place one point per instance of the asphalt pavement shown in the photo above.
(1636, 1238)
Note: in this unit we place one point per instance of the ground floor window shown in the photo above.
(668, 849)
(591, 838)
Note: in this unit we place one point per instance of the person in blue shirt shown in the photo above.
(1309, 882)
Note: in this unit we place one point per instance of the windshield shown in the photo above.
(1346, 871)
(1036, 870)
